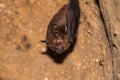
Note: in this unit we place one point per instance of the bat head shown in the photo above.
(59, 47)
(57, 44)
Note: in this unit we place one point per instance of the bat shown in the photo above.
(62, 29)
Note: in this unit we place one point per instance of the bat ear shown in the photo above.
(44, 41)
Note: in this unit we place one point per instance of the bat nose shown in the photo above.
(59, 49)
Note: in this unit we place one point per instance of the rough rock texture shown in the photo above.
(111, 19)
(96, 56)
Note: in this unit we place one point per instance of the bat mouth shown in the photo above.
(59, 49)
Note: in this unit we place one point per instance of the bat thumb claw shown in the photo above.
(44, 41)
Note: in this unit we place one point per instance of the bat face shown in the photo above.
(62, 29)
(58, 45)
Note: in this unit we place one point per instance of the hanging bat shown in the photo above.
(62, 29)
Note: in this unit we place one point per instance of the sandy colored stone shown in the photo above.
(23, 24)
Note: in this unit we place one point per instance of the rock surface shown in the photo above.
(23, 24)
